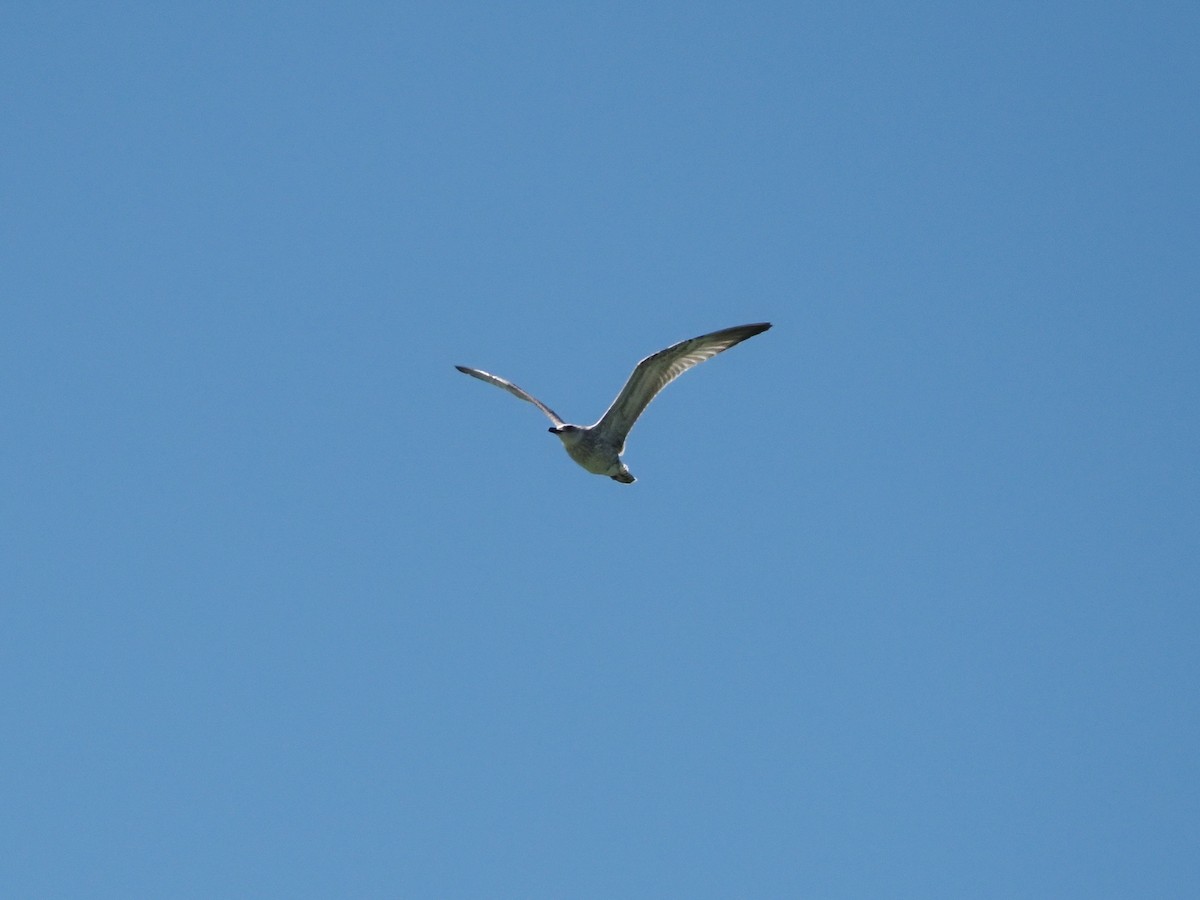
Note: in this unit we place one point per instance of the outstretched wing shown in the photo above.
(512, 389)
(655, 372)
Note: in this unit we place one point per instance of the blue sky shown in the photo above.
(903, 603)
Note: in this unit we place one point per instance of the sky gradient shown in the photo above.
(903, 602)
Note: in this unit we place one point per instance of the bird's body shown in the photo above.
(598, 447)
(594, 449)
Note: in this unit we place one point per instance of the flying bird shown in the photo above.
(598, 448)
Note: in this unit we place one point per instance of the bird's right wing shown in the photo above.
(512, 389)
(655, 372)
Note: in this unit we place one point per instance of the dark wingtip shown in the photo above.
(744, 332)
(748, 331)
(463, 369)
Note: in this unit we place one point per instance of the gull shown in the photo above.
(598, 448)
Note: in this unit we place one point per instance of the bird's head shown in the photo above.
(568, 434)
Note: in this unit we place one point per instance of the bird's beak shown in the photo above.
(553, 430)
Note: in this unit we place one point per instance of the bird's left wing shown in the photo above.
(512, 389)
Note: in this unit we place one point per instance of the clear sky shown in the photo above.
(903, 602)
